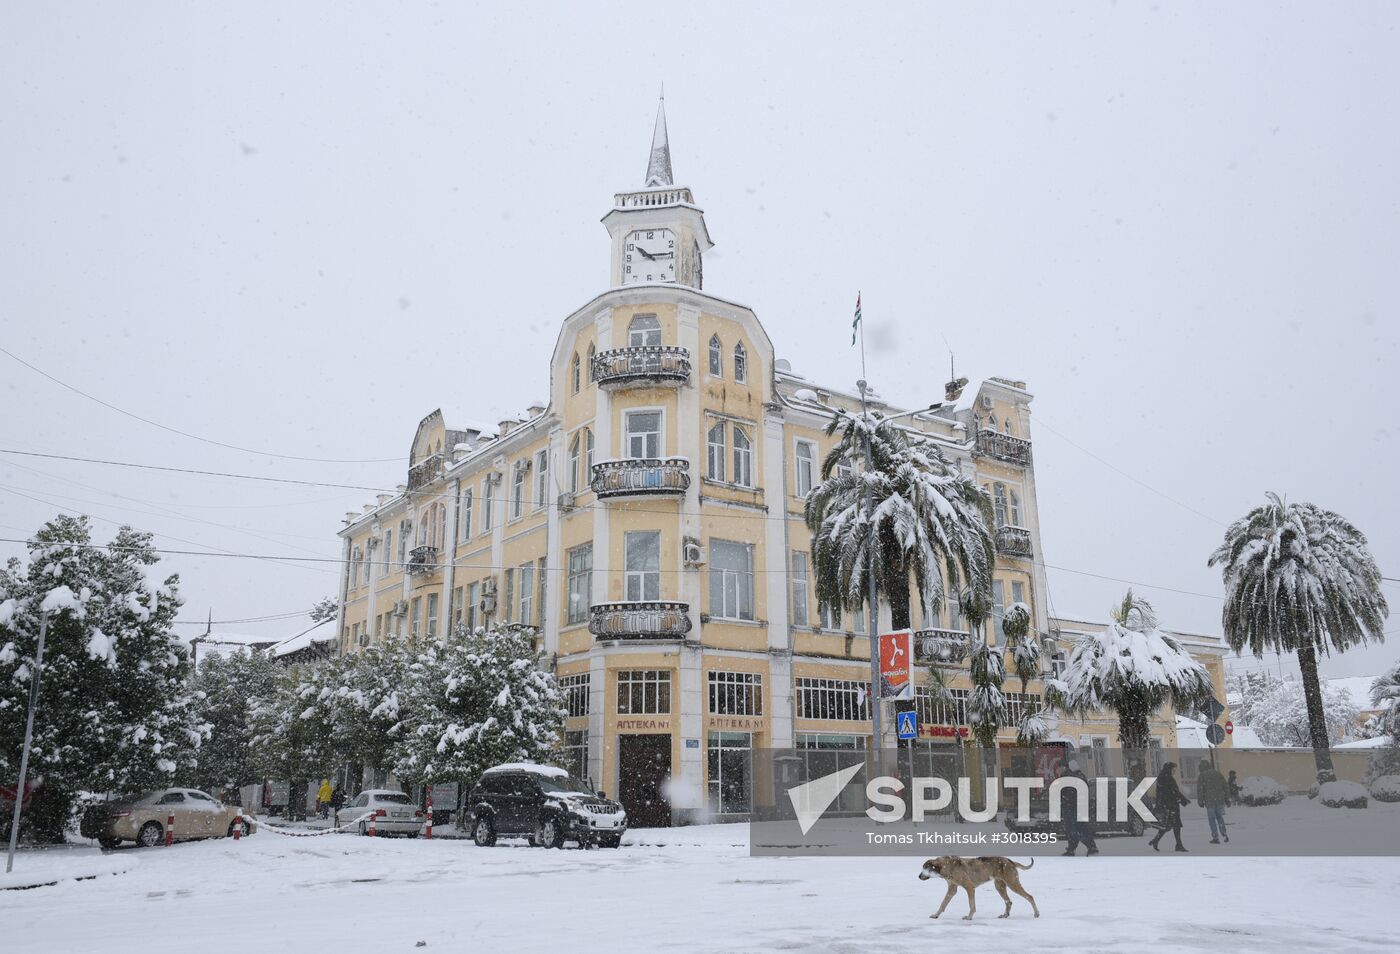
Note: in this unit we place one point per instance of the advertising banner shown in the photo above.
(896, 665)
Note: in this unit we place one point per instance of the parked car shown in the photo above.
(544, 804)
(394, 813)
(143, 819)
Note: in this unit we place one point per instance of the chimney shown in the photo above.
(504, 427)
(382, 498)
(535, 410)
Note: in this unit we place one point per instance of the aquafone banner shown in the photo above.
(896, 665)
(1052, 799)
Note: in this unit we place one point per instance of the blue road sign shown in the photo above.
(907, 724)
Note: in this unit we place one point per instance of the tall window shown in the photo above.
(714, 452)
(388, 552)
(580, 583)
(644, 332)
(731, 579)
(999, 502)
(806, 467)
(643, 433)
(473, 601)
(517, 488)
(743, 457)
(643, 554)
(356, 558)
(716, 357)
(999, 608)
(1016, 510)
(575, 692)
(457, 607)
(588, 454)
(644, 692)
(576, 373)
(527, 594)
(800, 616)
(432, 615)
(541, 479)
(405, 534)
(487, 510)
(574, 462)
(576, 753)
(591, 352)
(741, 363)
(508, 604)
(466, 514)
(415, 606)
(730, 772)
(736, 693)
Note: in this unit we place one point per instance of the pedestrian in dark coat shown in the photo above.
(1167, 807)
(1075, 830)
(1234, 784)
(1212, 794)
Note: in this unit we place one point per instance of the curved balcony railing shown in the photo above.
(422, 560)
(626, 367)
(1013, 450)
(941, 647)
(641, 477)
(1014, 541)
(649, 620)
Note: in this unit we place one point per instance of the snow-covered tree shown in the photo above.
(365, 697)
(1277, 711)
(115, 712)
(324, 609)
(226, 687)
(1385, 694)
(1299, 578)
(291, 733)
(483, 699)
(1133, 668)
(929, 523)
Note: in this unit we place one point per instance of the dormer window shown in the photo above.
(741, 363)
(644, 332)
(716, 357)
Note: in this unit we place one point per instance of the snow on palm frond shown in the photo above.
(986, 703)
(1033, 728)
(1021, 643)
(927, 521)
(1132, 671)
(1385, 695)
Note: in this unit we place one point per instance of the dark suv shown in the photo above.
(543, 803)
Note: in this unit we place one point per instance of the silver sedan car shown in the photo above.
(393, 813)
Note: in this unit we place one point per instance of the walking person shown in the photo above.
(1212, 794)
(1168, 806)
(323, 797)
(1233, 782)
(1076, 831)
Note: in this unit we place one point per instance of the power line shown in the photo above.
(248, 619)
(195, 437)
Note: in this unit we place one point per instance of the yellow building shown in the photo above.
(649, 521)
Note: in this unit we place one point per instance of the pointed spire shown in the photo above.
(659, 165)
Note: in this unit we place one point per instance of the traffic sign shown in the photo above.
(907, 724)
(1214, 734)
(1214, 709)
(1230, 727)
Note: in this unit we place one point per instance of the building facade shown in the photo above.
(648, 520)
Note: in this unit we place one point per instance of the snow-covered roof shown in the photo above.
(1378, 742)
(1245, 737)
(1358, 686)
(550, 770)
(305, 640)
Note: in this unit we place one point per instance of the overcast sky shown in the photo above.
(298, 228)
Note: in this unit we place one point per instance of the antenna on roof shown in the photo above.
(954, 388)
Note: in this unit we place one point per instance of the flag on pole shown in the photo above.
(855, 325)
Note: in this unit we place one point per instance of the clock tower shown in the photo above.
(658, 232)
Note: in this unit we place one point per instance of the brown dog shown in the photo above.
(968, 873)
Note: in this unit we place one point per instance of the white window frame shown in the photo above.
(488, 515)
(640, 584)
(575, 372)
(526, 576)
(834, 700)
(741, 363)
(541, 479)
(637, 338)
(643, 691)
(743, 456)
(632, 412)
(464, 516)
(579, 586)
(803, 484)
(801, 605)
(734, 693)
(575, 689)
(716, 357)
(575, 459)
(726, 582)
(518, 482)
(716, 451)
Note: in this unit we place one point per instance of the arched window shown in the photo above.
(714, 452)
(999, 502)
(741, 363)
(716, 357)
(743, 457)
(574, 462)
(1006, 426)
(588, 453)
(440, 525)
(591, 352)
(644, 332)
(574, 373)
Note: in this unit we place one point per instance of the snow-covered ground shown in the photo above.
(691, 889)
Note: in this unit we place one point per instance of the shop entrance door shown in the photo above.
(645, 766)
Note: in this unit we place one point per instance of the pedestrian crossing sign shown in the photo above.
(907, 724)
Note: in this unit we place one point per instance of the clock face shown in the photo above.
(649, 255)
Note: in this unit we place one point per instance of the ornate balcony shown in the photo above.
(649, 620)
(1004, 447)
(425, 471)
(641, 477)
(422, 560)
(941, 647)
(631, 367)
(1014, 541)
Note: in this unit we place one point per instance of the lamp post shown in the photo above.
(872, 591)
(28, 739)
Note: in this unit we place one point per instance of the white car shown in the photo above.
(394, 813)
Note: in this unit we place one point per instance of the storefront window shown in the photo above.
(730, 772)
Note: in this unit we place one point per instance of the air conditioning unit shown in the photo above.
(694, 553)
(400, 608)
(986, 402)
(487, 606)
(566, 502)
(488, 586)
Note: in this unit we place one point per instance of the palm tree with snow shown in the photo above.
(926, 524)
(1300, 579)
(1133, 668)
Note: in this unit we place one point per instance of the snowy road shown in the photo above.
(690, 889)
